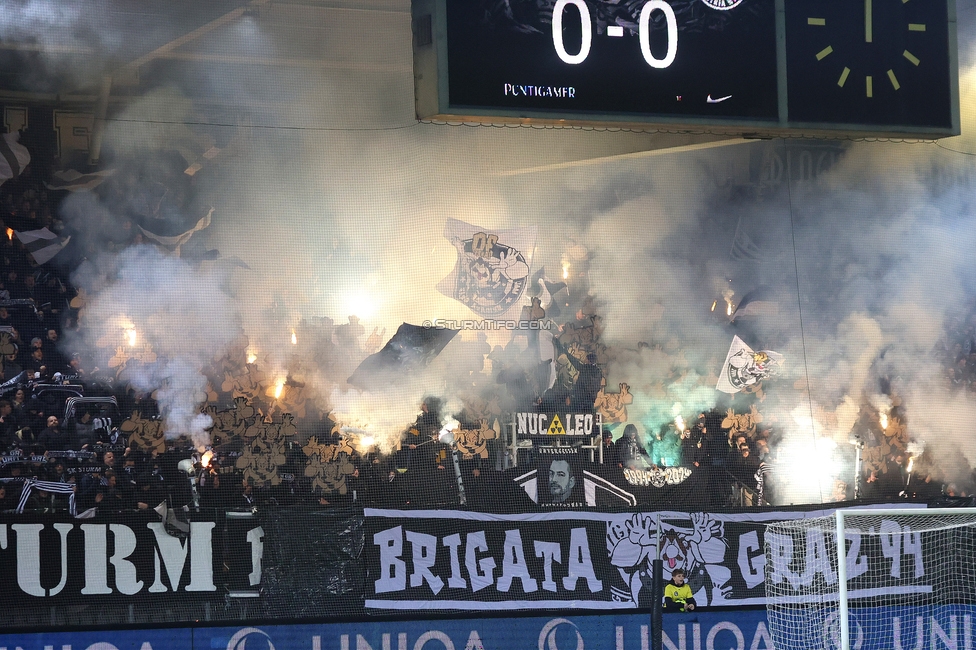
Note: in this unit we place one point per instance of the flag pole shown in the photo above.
(657, 592)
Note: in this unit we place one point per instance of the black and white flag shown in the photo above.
(75, 181)
(42, 244)
(175, 242)
(14, 157)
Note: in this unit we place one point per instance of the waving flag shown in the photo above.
(410, 349)
(745, 367)
(75, 181)
(743, 248)
(13, 157)
(758, 302)
(175, 242)
(42, 244)
(492, 269)
(547, 290)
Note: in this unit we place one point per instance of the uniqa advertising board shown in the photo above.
(747, 629)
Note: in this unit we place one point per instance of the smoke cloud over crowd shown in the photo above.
(329, 201)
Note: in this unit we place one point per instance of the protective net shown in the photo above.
(911, 580)
(252, 311)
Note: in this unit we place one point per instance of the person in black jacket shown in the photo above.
(692, 454)
(53, 438)
(588, 382)
(8, 426)
(609, 447)
(745, 466)
(149, 492)
(114, 497)
(430, 477)
(630, 453)
(89, 491)
(82, 430)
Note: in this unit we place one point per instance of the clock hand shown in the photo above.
(868, 22)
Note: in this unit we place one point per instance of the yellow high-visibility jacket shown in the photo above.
(676, 597)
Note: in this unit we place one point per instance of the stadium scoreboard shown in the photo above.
(842, 67)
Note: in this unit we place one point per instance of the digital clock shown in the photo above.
(747, 66)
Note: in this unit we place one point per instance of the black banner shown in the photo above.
(560, 469)
(424, 560)
(304, 563)
(57, 558)
(606, 487)
(313, 563)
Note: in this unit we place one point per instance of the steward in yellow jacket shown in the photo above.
(677, 594)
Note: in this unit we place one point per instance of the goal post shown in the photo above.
(907, 580)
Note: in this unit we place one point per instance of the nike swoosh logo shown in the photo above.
(717, 101)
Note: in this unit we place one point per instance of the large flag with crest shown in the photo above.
(492, 270)
(745, 367)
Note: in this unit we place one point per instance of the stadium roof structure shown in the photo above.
(124, 52)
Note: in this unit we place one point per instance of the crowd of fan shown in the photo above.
(957, 350)
(920, 475)
(111, 475)
(36, 310)
(492, 382)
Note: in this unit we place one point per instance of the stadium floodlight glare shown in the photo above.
(908, 579)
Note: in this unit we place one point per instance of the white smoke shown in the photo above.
(182, 319)
(338, 207)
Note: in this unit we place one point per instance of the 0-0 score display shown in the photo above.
(671, 57)
(643, 30)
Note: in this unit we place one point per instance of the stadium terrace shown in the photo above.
(311, 338)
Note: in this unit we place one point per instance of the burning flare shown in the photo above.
(714, 304)
(279, 388)
(251, 358)
(678, 420)
(130, 335)
(10, 234)
(883, 419)
(446, 433)
(727, 296)
(294, 338)
(206, 458)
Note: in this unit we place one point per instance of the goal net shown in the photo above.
(908, 580)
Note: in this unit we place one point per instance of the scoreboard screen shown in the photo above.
(841, 66)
